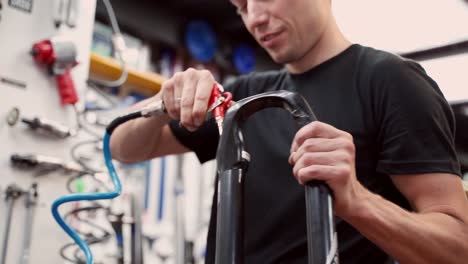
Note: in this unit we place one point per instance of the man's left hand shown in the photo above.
(322, 152)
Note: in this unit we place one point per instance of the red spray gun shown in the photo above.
(60, 56)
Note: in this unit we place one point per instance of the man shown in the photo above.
(384, 144)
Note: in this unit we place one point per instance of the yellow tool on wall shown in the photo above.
(147, 83)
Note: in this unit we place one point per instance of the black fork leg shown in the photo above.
(321, 235)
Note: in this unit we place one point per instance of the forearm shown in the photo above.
(425, 237)
(134, 140)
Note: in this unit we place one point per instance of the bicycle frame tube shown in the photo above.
(233, 162)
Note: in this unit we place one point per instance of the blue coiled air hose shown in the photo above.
(94, 196)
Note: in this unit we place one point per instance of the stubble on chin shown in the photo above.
(284, 57)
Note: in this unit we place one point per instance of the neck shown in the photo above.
(331, 43)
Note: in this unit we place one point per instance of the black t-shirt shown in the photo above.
(400, 122)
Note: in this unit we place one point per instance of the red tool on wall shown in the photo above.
(59, 55)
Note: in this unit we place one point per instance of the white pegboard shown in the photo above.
(18, 31)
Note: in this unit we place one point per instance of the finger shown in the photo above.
(316, 172)
(202, 96)
(292, 158)
(167, 90)
(316, 129)
(188, 94)
(188, 127)
(331, 175)
(178, 87)
(317, 145)
(317, 158)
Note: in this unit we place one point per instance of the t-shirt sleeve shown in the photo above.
(417, 125)
(203, 141)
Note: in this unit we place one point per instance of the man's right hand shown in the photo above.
(186, 96)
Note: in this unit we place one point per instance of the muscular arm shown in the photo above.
(185, 97)
(144, 138)
(437, 232)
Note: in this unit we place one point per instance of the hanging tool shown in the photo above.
(136, 237)
(183, 253)
(12, 193)
(179, 216)
(13, 82)
(233, 163)
(30, 204)
(41, 125)
(65, 12)
(50, 127)
(116, 221)
(59, 55)
(46, 164)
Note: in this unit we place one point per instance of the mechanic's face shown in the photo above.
(287, 29)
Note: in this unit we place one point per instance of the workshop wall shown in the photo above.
(388, 25)
(36, 95)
